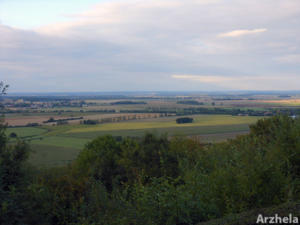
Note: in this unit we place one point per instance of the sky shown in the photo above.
(149, 45)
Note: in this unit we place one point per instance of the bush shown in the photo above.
(184, 120)
(90, 122)
(13, 135)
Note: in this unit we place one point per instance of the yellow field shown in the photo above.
(200, 120)
(284, 102)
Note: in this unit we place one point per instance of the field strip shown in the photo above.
(68, 142)
(175, 131)
(25, 132)
(199, 121)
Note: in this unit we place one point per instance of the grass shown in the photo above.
(51, 156)
(65, 142)
(23, 132)
(49, 151)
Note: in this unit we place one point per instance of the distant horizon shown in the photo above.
(226, 92)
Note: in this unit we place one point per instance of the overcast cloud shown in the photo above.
(201, 45)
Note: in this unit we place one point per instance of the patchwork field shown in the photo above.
(57, 145)
(22, 120)
(60, 139)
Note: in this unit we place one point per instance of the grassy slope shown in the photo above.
(50, 156)
(49, 150)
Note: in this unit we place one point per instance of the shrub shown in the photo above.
(184, 120)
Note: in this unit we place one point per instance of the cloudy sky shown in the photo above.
(151, 45)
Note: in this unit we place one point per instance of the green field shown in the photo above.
(23, 132)
(57, 145)
(64, 142)
(50, 156)
(175, 131)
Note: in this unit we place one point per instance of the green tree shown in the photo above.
(99, 160)
(13, 176)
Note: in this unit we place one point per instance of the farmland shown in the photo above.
(57, 145)
(55, 127)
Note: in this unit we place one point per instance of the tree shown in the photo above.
(99, 161)
(12, 175)
(3, 88)
(184, 120)
(13, 135)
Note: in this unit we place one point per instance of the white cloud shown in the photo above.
(238, 33)
(290, 59)
(137, 44)
(203, 78)
(255, 82)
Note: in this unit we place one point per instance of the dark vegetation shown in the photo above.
(90, 122)
(13, 135)
(52, 120)
(128, 103)
(284, 96)
(190, 102)
(155, 180)
(32, 124)
(184, 120)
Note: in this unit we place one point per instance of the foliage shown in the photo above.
(13, 135)
(13, 179)
(90, 122)
(184, 120)
(155, 180)
(190, 102)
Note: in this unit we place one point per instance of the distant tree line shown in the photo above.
(183, 111)
(218, 111)
(190, 102)
(128, 103)
(52, 120)
(90, 122)
(121, 118)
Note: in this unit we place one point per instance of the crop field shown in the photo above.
(284, 102)
(23, 120)
(24, 132)
(201, 120)
(65, 142)
(204, 131)
(57, 145)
